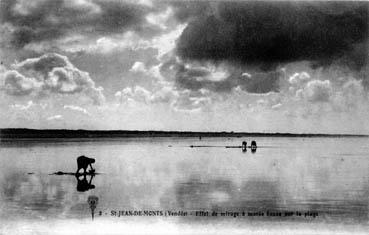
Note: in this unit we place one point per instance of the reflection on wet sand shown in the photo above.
(258, 195)
(31, 192)
(40, 196)
(148, 176)
(83, 184)
(49, 197)
(223, 195)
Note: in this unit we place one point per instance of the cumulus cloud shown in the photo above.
(160, 19)
(266, 34)
(18, 85)
(23, 107)
(39, 20)
(225, 79)
(163, 42)
(298, 78)
(192, 101)
(55, 117)
(183, 100)
(50, 73)
(138, 67)
(138, 93)
(353, 88)
(351, 96)
(277, 106)
(76, 108)
(165, 94)
(323, 92)
(316, 91)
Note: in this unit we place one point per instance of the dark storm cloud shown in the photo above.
(40, 20)
(195, 79)
(266, 34)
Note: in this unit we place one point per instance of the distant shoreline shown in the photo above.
(24, 133)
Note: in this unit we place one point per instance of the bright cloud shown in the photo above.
(23, 107)
(55, 117)
(316, 91)
(50, 74)
(76, 108)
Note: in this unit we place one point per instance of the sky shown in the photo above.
(250, 66)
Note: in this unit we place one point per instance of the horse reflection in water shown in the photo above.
(83, 162)
(83, 184)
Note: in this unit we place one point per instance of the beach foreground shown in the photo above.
(289, 185)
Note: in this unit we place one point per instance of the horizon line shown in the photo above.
(188, 132)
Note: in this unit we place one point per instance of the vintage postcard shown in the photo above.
(184, 117)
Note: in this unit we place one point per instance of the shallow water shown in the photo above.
(324, 179)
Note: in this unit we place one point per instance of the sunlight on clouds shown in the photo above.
(139, 94)
(17, 84)
(23, 107)
(316, 91)
(55, 117)
(167, 42)
(277, 106)
(298, 78)
(50, 74)
(138, 67)
(152, 72)
(128, 40)
(160, 19)
(176, 100)
(76, 108)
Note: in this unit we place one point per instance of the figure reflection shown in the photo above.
(83, 184)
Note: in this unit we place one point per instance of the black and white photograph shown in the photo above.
(184, 117)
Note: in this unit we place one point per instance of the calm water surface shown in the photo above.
(328, 176)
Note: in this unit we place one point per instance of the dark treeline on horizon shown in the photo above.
(24, 133)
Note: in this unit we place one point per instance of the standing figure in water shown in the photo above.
(83, 162)
(253, 146)
(244, 146)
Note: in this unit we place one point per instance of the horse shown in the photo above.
(83, 162)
